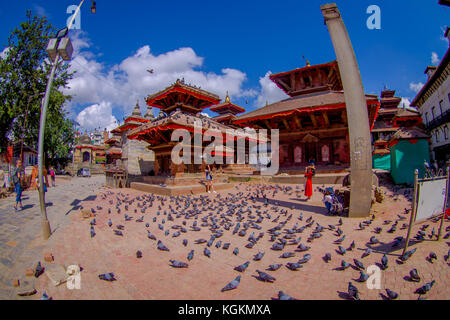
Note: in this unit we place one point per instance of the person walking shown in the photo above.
(308, 187)
(17, 181)
(209, 180)
(52, 176)
(328, 200)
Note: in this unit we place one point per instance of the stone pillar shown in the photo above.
(357, 115)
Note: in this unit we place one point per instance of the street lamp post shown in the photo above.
(59, 47)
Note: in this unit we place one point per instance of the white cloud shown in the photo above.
(415, 86)
(97, 116)
(435, 58)
(121, 84)
(40, 11)
(404, 103)
(269, 93)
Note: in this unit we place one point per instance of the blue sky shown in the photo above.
(229, 45)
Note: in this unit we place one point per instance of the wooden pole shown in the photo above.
(413, 212)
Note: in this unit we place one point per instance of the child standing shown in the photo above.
(328, 200)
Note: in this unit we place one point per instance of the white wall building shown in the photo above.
(433, 101)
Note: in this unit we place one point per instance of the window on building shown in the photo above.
(437, 135)
(426, 118)
(433, 112)
(441, 106)
(445, 132)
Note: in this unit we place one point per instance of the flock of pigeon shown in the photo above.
(241, 214)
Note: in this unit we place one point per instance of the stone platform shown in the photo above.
(176, 190)
(321, 178)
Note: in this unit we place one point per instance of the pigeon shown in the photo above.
(392, 295)
(305, 259)
(236, 251)
(341, 250)
(362, 276)
(274, 267)
(373, 240)
(397, 242)
(226, 246)
(92, 232)
(109, 223)
(93, 222)
(277, 246)
(366, 253)
(408, 254)
(120, 227)
(352, 246)
(284, 296)
(107, 276)
(258, 256)
(432, 256)
(118, 233)
(339, 241)
(327, 257)
(200, 241)
(262, 276)
(353, 291)
(38, 270)
(162, 247)
(302, 247)
(344, 265)
(293, 266)
(178, 264)
(447, 256)
(176, 234)
(138, 254)
(340, 222)
(424, 289)
(378, 230)
(218, 244)
(150, 235)
(141, 219)
(45, 296)
(287, 255)
(414, 275)
(242, 267)
(190, 255)
(207, 252)
(359, 264)
(384, 262)
(232, 285)
(185, 242)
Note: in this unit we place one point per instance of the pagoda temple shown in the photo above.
(180, 107)
(313, 121)
(227, 111)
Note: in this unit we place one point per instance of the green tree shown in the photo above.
(24, 71)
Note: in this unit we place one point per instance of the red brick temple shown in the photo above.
(313, 121)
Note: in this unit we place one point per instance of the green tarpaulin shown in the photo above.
(406, 157)
(382, 161)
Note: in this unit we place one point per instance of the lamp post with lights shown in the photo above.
(59, 47)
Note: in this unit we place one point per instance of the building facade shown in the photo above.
(433, 102)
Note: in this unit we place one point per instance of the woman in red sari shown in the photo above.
(308, 187)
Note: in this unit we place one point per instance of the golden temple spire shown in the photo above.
(227, 98)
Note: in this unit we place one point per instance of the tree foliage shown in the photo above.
(24, 72)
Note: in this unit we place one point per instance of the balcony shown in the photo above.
(442, 119)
